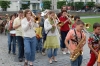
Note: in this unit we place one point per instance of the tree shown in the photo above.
(46, 4)
(4, 5)
(25, 4)
(60, 4)
(90, 4)
(76, 5)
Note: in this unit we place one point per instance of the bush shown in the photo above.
(46, 4)
(60, 4)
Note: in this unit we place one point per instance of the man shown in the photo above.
(17, 27)
(62, 9)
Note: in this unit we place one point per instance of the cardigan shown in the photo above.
(28, 30)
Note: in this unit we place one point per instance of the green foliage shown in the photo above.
(77, 5)
(5, 4)
(26, 6)
(90, 4)
(46, 4)
(60, 4)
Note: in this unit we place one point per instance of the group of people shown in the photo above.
(38, 36)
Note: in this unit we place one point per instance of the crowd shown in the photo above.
(38, 34)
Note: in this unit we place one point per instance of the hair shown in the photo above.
(26, 11)
(95, 25)
(15, 14)
(20, 11)
(76, 17)
(50, 12)
(12, 16)
(80, 22)
(63, 6)
(64, 11)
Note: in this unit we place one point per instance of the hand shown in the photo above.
(53, 25)
(71, 52)
(96, 54)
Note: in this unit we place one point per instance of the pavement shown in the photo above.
(12, 60)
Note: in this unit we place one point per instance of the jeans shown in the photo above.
(52, 52)
(77, 62)
(12, 40)
(63, 36)
(39, 45)
(20, 46)
(30, 48)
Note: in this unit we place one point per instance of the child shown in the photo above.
(76, 18)
(39, 39)
(74, 36)
(93, 43)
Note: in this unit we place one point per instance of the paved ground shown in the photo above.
(12, 60)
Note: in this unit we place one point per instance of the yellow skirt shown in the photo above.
(51, 42)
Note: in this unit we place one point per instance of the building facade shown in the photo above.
(16, 5)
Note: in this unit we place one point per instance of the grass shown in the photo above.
(91, 21)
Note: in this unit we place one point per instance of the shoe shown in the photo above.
(55, 60)
(43, 53)
(68, 52)
(31, 65)
(50, 61)
(64, 52)
(8, 52)
(20, 59)
(26, 64)
(14, 53)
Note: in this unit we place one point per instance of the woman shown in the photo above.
(29, 34)
(52, 42)
(12, 36)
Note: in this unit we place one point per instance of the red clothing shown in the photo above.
(74, 25)
(92, 59)
(65, 27)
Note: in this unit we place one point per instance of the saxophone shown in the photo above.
(77, 52)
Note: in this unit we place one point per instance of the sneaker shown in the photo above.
(43, 53)
(68, 52)
(20, 59)
(14, 53)
(8, 52)
(64, 52)
(50, 61)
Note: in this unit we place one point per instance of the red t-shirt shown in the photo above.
(65, 27)
(74, 26)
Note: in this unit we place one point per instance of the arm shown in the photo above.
(25, 25)
(91, 48)
(15, 26)
(90, 40)
(68, 37)
(47, 25)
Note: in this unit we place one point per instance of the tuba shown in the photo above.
(77, 52)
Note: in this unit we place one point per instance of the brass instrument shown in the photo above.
(36, 18)
(87, 25)
(77, 52)
(60, 24)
